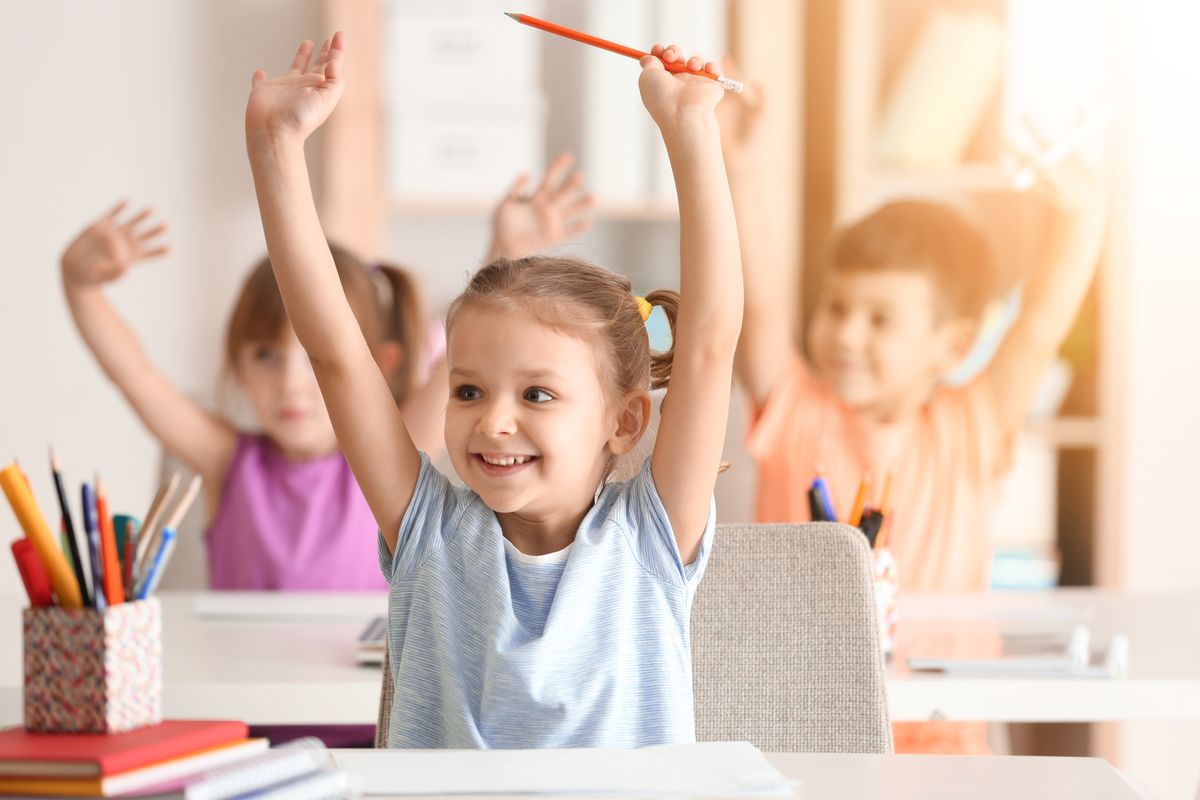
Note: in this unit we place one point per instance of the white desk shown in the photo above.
(298, 666)
(950, 777)
(1163, 681)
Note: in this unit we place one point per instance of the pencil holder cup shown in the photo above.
(883, 566)
(92, 671)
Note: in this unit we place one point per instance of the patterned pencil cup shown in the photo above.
(90, 671)
(883, 566)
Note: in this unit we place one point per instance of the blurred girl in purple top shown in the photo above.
(284, 510)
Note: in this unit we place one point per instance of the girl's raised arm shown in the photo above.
(280, 115)
(691, 435)
(101, 253)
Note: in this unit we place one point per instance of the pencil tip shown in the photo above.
(511, 15)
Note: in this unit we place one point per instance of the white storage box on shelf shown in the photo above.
(440, 53)
(447, 151)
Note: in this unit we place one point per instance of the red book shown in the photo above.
(88, 755)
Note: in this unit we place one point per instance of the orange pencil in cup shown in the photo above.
(728, 84)
(860, 500)
(114, 591)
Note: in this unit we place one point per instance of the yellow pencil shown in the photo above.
(62, 579)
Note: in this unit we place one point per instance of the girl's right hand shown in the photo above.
(105, 250)
(296, 103)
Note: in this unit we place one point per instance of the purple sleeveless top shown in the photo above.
(291, 525)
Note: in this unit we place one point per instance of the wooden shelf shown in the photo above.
(1070, 432)
(647, 210)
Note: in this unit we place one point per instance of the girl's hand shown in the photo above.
(296, 103)
(675, 100)
(558, 211)
(106, 249)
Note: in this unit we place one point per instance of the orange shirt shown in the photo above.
(944, 461)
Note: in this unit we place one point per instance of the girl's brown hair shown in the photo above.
(583, 299)
(384, 299)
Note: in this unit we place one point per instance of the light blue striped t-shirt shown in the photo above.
(586, 647)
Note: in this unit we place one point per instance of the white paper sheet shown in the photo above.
(691, 770)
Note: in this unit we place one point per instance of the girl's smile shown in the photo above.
(502, 464)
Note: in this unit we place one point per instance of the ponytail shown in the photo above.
(661, 361)
(403, 323)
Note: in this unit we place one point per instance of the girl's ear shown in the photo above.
(633, 417)
(388, 355)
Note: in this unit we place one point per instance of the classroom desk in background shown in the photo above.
(289, 658)
(1162, 683)
(822, 776)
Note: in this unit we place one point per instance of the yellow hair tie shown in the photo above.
(644, 307)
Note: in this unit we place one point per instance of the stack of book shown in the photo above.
(186, 759)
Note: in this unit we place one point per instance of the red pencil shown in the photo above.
(728, 84)
(33, 574)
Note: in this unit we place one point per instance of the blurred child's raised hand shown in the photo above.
(674, 98)
(107, 248)
(557, 211)
(740, 116)
(295, 104)
(1075, 186)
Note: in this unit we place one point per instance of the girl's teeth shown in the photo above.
(506, 462)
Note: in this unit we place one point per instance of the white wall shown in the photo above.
(1160, 533)
(126, 98)
(144, 100)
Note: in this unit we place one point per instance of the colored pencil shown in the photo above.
(62, 579)
(153, 515)
(127, 562)
(859, 500)
(728, 84)
(69, 525)
(114, 592)
(829, 511)
(33, 574)
(92, 528)
(158, 565)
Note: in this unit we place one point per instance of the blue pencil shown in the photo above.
(823, 494)
(158, 565)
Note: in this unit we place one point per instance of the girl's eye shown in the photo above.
(537, 396)
(264, 354)
(468, 393)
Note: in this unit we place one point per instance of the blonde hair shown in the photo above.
(384, 299)
(586, 300)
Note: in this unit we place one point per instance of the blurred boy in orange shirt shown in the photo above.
(899, 308)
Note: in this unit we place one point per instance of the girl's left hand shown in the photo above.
(672, 97)
(296, 103)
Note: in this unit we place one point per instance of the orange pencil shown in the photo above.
(114, 592)
(728, 84)
(859, 501)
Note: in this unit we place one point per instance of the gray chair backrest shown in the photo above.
(785, 644)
